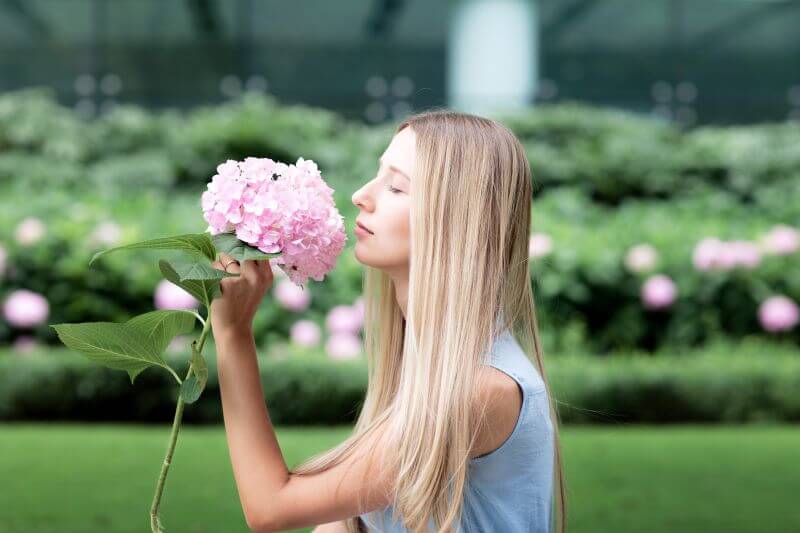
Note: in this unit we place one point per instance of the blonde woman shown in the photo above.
(458, 430)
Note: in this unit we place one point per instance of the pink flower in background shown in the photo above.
(25, 344)
(707, 253)
(781, 240)
(658, 292)
(641, 258)
(3, 257)
(343, 346)
(179, 343)
(290, 296)
(540, 244)
(778, 313)
(744, 254)
(278, 208)
(170, 296)
(305, 333)
(107, 233)
(343, 319)
(714, 254)
(29, 231)
(358, 305)
(24, 308)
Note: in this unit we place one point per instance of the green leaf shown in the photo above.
(196, 270)
(163, 325)
(205, 290)
(193, 386)
(194, 243)
(111, 344)
(229, 243)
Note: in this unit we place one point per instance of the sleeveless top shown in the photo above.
(510, 489)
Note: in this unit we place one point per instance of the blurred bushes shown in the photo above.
(752, 382)
(605, 181)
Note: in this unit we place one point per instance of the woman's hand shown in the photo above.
(234, 310)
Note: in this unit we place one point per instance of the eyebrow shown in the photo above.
(380, 159)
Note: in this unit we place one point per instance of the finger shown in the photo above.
(228, 263)
(251, 270)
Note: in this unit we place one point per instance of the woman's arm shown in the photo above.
(272, 500)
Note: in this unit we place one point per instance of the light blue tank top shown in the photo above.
(510, 489)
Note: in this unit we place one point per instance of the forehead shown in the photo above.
(402, 150)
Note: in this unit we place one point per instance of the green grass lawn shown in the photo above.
(86, 478)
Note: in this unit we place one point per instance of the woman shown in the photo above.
(457, 431)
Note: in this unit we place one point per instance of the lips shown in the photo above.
(362, 226)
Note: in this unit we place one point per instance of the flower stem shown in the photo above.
(155, 523)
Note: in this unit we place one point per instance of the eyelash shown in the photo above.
(394, 190)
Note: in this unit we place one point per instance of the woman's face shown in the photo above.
(385, 204)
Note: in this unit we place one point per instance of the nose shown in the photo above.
(359, 199)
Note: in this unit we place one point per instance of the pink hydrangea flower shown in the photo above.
(305, 333)
(358, 305)
(179, 343)
(781, 240)
(108, 233)
(29, 231)
(658, 292)
(539, 245)
(278, 208)
(169, 296)
(714, 254)
(290, 296)
(343, 319)
(25, 309)
(641, 258)
(343, 346)
(778, 313)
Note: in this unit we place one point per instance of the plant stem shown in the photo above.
(155, 523)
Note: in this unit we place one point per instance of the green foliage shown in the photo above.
(197, 243)
(131, 346)
(728, 382)
(192, 387)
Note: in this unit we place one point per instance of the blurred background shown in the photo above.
(664, 142)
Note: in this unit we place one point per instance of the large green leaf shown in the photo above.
(194, 243)
(199, 270)
(229, 243)
(116, 345)
(163, 325)
(193, 386)
(205, 290)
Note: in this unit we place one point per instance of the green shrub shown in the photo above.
(726, 383)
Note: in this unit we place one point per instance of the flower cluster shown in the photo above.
(277, 207)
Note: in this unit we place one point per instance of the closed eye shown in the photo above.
(394, 190)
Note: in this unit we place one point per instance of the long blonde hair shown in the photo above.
(469, 266)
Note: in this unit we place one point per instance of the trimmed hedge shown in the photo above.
(754, 383)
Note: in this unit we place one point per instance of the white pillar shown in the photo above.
(492, 55)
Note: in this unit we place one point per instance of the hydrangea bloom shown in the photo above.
(658, 292)
(778, 313)
(24, 308)
(305, 333)
(781, 240)
(290, 296)
(539, 245)
(343, 346)
(29, 231)
(343, 319)
(641, 258)
(277, 207)
(169, 296)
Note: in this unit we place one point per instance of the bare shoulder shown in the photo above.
(502, 397)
